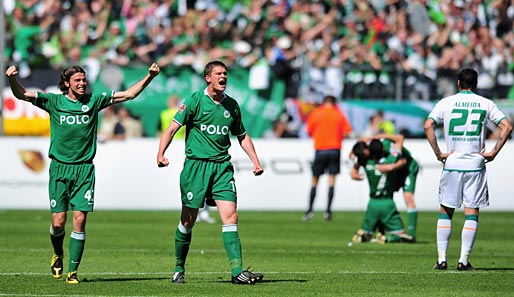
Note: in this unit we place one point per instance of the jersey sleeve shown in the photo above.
(237, 128)
(186, 110)
(436, 113)
(495, 114)
(347, 126)
(392, 157)
(311, 123)
(106, 99)
(44, 101)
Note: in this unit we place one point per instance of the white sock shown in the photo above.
(444, 230)
(469, 232)
(183, 228)
(229, 228)
(53, 233)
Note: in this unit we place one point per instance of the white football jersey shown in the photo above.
(464, 116)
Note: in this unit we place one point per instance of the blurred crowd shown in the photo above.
(348, 48)
(117, 123)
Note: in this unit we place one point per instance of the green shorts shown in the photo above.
(382, 212)
(200, 179)
(71, 186)
(410, 181)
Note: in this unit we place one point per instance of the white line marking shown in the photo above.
(166, 273)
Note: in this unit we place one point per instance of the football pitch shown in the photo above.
(130, 253)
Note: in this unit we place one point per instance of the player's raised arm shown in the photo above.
(134, 90)
(397, 139)
(18, 90)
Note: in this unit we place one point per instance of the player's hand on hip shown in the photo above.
(489, 156)
(356, 175)
(443, 156)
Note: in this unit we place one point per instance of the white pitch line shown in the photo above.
(53, 295)
(341, 250)
(316, 251)
(428, 271)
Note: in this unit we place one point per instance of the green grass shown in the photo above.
(130, 253)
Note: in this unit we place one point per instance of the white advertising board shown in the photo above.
(127, 176)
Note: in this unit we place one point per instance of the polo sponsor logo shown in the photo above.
(74, 119)
(214, 129)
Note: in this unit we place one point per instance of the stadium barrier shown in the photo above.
(127, 176)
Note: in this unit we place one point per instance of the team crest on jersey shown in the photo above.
(85, 108)
(182, 108)
(226, 114)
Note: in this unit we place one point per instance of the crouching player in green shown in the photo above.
(406, 175)
(73, 124)
(382, 179)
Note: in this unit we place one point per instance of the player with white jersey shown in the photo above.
(463, 180)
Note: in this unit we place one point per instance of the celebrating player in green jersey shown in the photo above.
(406, 175)
(73, 125)
(381, 210)
(210, 117)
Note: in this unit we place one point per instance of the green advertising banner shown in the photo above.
(258, 109)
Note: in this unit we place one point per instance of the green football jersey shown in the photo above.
(73, 124)
(388, 147)
(411, 166)
(208, 125)
(381, 185)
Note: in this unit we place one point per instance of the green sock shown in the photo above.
(232, 246)
(412, 221)
(182, 242)
(57, 241)
(77, 242)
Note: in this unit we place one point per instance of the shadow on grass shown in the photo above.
(496, 269)
(271, 281)
(422, 242)
(128, 279)
(285, 281)
(131, 279)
